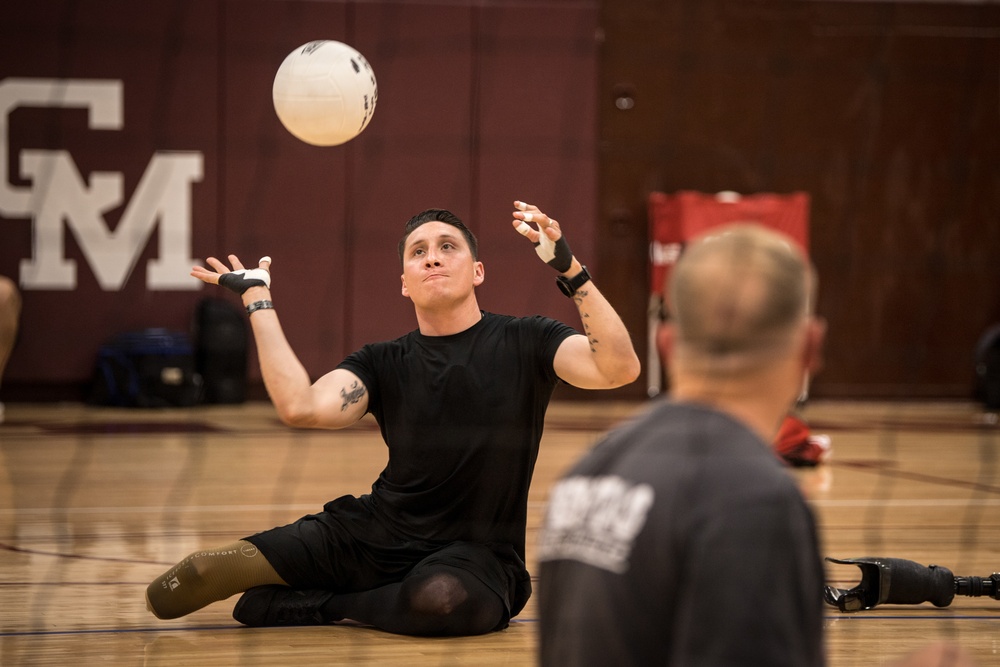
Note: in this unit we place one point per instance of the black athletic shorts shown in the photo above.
(347, 548)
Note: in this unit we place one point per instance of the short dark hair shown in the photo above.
(439, 215)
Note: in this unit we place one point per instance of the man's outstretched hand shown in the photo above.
(239, 279)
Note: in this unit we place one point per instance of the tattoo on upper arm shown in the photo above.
(353, 396)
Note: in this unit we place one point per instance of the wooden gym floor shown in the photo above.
(96, 502)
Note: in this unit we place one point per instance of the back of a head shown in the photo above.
(737, 296)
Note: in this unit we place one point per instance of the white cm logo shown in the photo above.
(59, 193)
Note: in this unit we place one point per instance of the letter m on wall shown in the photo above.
(59, 194)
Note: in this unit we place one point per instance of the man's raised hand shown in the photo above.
(550, 244)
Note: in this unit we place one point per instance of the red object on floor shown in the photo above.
(797, 446)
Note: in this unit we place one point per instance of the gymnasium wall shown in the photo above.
(886, 113)
(102, 212)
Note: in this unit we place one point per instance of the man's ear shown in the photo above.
(405, 292)
(478, 273)
(813, 349)
(665, 338)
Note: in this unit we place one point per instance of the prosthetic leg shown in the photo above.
(900, 581)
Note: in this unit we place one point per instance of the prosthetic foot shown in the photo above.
(900, 581)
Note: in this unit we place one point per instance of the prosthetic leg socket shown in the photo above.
(892, 581)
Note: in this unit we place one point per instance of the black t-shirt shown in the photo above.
(680, 540)
(462, 416)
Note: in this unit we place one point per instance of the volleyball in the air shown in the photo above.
(325, 93)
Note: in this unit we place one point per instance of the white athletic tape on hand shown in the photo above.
(256, 274)
(554, 253)
(241, 280)
(546, 247)
(265, 258)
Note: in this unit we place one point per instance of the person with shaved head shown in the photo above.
(680, 539)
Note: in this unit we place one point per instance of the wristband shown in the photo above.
(259, 305)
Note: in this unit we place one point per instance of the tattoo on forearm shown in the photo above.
(590, 334)
(353, 396)
(590, 339)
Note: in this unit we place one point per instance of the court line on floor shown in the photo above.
(887, 469)
(33, 511)
(901, 617)
(59, 554)
(907, 502)
(210, 628)
(194, 509)
(117, 631)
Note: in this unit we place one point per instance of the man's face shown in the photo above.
(438, 267)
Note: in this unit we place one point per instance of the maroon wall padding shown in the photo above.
(886, 113)
(478, 105)
(168, 60)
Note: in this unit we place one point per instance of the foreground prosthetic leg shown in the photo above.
(900, 581)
